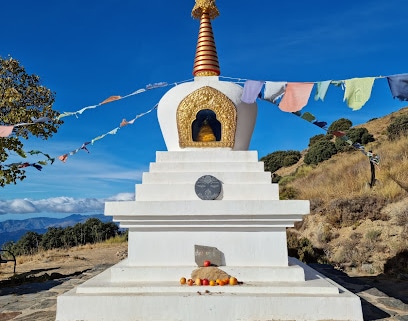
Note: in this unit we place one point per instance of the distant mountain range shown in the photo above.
(12, 230)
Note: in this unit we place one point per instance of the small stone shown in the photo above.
(394, 303)
(208, 253)
(210, 273)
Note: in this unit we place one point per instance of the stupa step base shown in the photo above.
(192, 177)
(168, 192)
(165, 167)
(214, 306)
(207, 155)
(105, 297)
(103, 285)
(123, 273)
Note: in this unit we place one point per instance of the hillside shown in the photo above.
(357, 228)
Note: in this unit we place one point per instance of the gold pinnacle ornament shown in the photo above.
(206, 58)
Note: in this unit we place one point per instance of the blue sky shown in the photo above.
(86, 51)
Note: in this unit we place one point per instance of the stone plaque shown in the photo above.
(212, 254)
(208, 187)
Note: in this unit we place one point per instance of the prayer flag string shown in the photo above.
(293, 96)
(6, 130)
(373, 158)
(124, 122)
(288, 96)
(64, 157)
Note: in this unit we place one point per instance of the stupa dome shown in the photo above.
(183, 110)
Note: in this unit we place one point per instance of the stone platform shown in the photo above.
(315, 298)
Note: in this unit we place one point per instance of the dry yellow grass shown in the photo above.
(346, 176)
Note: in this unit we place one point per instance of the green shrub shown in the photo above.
(303, 171)
(356, 135)
(288, 193)
(290, 160)
(399, 127)
(314, 139)
(286, 179)
(341, 124)
(278, 159)
(303, 249)
(319, 152)
(373, 235)
(346, 212)
(276, 178)
(342, 146)
(360, 135)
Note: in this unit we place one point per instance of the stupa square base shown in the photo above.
(104, 298)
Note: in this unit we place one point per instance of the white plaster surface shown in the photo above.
(165, 222)
(168, 192)
(167, 110)
(316, 298)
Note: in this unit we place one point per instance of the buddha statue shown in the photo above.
(206, 133)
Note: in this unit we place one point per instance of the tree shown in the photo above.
(28, 244)
(356, 135)
(52, 239)
(360, 135)
(316, 138)
(319, 152)
(22, 99)
(341, 124)
(278, 159)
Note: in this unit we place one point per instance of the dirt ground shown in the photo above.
(59, 263)
(383, 298)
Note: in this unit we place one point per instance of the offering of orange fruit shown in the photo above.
(229, 281)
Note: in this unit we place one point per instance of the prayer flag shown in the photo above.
(274, 90)
(252, 88)
(296, 96)
(399, 86)
(5, 131)
(358, 91)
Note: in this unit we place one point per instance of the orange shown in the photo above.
(212, 282)
(183, 280)
(221, 283)
(233, 281)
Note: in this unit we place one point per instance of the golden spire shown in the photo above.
(206, 59)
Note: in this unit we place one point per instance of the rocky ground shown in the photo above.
(32, 294)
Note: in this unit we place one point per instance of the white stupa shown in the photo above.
(207, 190)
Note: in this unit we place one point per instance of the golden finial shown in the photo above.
(207, 6)
(206, 59)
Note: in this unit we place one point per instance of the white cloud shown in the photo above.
(122, 197)
(60, 204)
(17, 206)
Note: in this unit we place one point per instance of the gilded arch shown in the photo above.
(212, 99)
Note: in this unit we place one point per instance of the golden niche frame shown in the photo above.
(212, 99)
